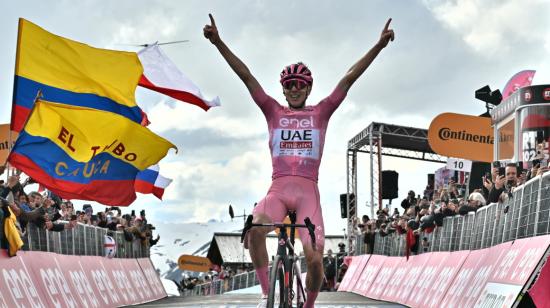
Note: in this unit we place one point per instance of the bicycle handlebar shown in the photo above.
(307, 224)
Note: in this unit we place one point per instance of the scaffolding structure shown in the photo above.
(377, 140)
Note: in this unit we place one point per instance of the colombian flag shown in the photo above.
(84, 153)
(69, 72)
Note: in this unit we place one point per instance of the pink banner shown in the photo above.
(405, 278)
(519, 80)
(369, 274)
(42, 279)
(539, 292)
(383, 277)
(427, 278)
(18, 288)
(358, 277)
(347, 282)
(513, 270)
(444, 277)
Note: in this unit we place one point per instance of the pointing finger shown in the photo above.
(386, 27)
(212, 22)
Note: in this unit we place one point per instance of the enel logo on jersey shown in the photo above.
(297, 123)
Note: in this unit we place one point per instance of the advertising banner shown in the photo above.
(43, 279)
(444, 277)
(358, 276)
(420, 293)
(404, 278)
(18, 287)
(513, 270)
(383, 277)
(369, 274)
(348, 282)
(5, 145)
(462, 136)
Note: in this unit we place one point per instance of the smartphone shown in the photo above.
(502, 171)
(520, 168)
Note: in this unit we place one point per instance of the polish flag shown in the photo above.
(161, 74)
(149, 181)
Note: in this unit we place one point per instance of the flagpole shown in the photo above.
(10, 146)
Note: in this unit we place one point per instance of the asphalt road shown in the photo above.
(325, 300)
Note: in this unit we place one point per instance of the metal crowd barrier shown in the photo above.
(82, 240)
(236, 282)
(525, 214)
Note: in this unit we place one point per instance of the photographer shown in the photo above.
(504, 183)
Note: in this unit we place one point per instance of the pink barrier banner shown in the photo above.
(368, 276)
(18, 287)
(383, 277)
(358, 277)
(512, 271)
(444, 277)
(539, 292)
(153, 279)
(348, 281)
(404, 278)
(427, 278)
(42, 279)
(465, 289)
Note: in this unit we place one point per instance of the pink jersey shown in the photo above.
(297, 137)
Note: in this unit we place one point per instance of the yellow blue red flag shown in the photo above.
(84, 153)
(69, 72)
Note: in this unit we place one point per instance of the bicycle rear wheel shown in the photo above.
(277, 275)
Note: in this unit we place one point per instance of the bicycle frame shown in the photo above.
(286, 255)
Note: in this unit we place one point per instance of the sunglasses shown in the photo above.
(298, 84)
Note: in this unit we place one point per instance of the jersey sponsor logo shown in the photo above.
(297, 123)
(296, 142)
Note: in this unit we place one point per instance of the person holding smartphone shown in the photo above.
(505, 182)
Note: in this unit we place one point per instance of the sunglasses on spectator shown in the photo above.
(298, 84)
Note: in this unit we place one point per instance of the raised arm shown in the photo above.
(211, 33)
(358, 68)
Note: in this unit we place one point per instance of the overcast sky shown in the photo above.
(443, 51)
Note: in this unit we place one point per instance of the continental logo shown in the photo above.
(446, 133)
(189, 262)
(462, 136)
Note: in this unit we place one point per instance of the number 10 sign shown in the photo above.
(459, 164)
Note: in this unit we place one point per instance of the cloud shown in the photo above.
(495, 28)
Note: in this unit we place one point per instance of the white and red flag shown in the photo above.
(160, 74)
(150, 181)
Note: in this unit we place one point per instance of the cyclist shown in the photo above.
(297, 135)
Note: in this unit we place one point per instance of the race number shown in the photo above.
(459, 164)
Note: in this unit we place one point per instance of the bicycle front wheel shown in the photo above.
(277, 276)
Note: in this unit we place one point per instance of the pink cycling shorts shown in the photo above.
(301, 195)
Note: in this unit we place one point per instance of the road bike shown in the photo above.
(285, 268)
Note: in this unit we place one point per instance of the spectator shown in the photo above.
(409, 201)
(503, 183)
(341, 253)
(329, 265)
(475, 201)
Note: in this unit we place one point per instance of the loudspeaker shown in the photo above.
(389, 184)
(476, 175)
(431, 180)
(344, 208)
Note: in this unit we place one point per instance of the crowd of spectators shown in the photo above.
(49, 212)
(426, 213)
